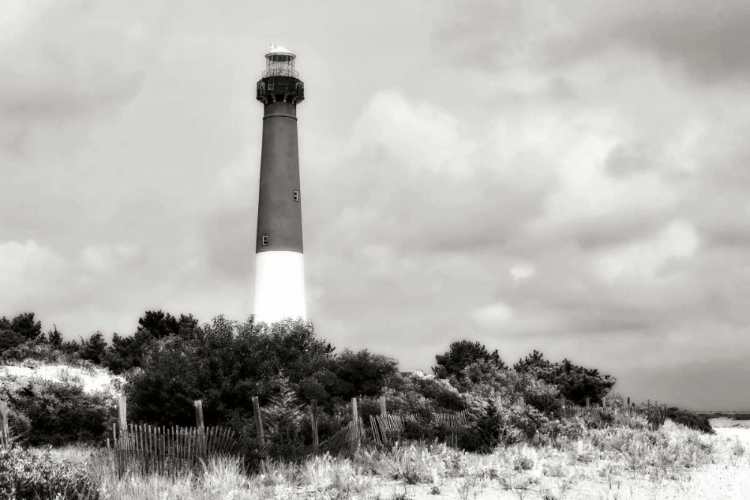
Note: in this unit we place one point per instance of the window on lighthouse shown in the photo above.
(264, 240)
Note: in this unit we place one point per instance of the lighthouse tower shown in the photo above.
(279, 264)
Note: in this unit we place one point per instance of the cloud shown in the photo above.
(522, 272)
(29, 273)
(109, 259)
(414, 175)
(68, 60)
(28, 259)
(423, 137)
(493, 315)
(652, 258)
(706, 42)
(491, 34)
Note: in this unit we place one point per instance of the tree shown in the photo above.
(71, 347)
(575, 383)
(20, 329)
(460, 355)
(225, 363)
(60, 413)
(128, 352)
(123, 354)
(94, 349)
(9, 339)
(160, 324)
(533, 361)
(283, 413)
(54, 337)
(25, 325)
(187, 325)
(361, 373)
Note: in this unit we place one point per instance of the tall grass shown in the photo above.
(604, 459)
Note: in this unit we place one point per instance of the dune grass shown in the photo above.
(606, 463)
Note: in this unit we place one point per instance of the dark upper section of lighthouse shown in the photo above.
(279, 202)
(280, 82)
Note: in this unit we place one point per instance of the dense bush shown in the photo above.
(690, 420)
(226, 363)
(37, 351)
(422, 395)
(460, 355)
(56, 413)
(483, 431)
(169, 362)
(360, 373)
(512, 387)
(575, 383)
(25, 476)
(126, 353)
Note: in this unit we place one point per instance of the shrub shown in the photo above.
(484, 430)
(360, 373)
(38, 351)
(225, 363)
(27, 476)
(528, 420)
(690, 420)
(443, 393)
(575, 383)
(57, 413)
(409, 400)
(606, 418)
(9, 340)
(462, 354)
(283, 415)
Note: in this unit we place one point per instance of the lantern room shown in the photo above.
(279, 62)
(280, 81)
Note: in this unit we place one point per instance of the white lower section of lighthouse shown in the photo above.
(279, 286)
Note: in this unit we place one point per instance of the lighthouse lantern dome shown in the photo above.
(279, 62)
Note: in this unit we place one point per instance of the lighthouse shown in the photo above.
(279, 263)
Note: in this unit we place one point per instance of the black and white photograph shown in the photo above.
(388, 250)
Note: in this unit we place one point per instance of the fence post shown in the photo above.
(199, 415)
(587, 402)
(382, 423)
(314, 422)
(4, 433)
(258, 421)
(199, 424)
(355, 426)
(122, 412)
(604, 401)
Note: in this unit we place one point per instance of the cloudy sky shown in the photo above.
(562, 176)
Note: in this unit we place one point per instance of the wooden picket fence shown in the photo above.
(386, 429)
(172, 450)
(147, 449)
(655, 414)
